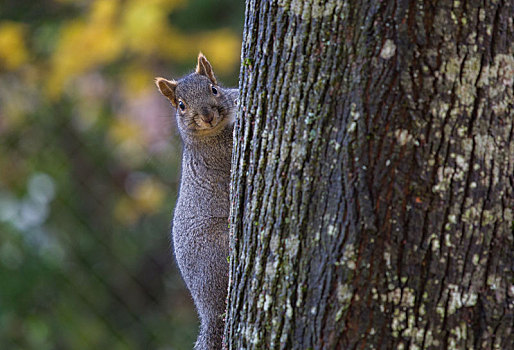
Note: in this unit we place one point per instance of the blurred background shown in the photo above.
(89, 165)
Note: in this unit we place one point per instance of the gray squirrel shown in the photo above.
(205, 118)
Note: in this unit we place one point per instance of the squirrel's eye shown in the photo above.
(181, 105)
(214, 90)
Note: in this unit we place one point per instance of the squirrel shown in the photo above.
(205, 114)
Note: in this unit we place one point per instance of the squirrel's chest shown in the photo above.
(204, 189)
(204, 184)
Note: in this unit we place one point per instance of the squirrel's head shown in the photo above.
(203, 107)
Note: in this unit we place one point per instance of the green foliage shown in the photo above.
(209, 14)
(89, 164)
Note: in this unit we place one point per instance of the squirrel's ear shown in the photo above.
(167, 88)
(204, 68)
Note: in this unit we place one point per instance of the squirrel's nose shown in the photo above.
(207, 115)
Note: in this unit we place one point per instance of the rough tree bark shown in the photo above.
(372, 199)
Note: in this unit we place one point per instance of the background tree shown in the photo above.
(373, 183)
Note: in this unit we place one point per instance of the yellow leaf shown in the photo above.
(84, 45)
(222, 48)
(149, 195)
(136, 79)
(142, 22)
(124, 129)
(13, 51)
(129, 141)
(126, 212)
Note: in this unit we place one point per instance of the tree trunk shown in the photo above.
(372, 188)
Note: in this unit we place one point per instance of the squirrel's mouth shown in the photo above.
(208, 121)
(210, 124)
(200, 127)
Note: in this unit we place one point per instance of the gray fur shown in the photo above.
(200, 222)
